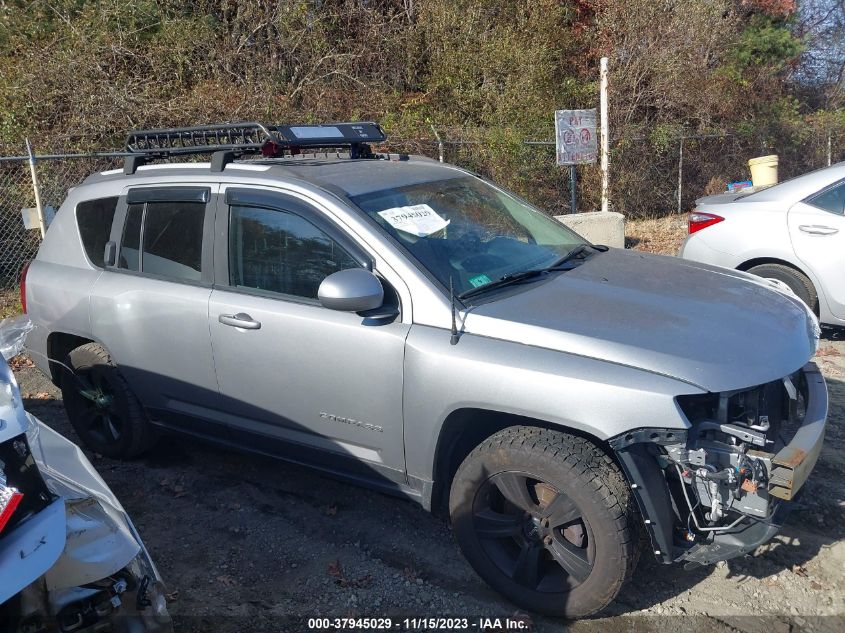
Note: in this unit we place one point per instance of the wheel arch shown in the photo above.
(465, 428)
(59, 345)
(759, 261)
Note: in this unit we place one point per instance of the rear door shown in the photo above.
(150, 307)
(292, 373)
(817, 231)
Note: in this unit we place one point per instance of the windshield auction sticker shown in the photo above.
(419, 219)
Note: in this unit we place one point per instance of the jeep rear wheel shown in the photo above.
(546, 519)
(101, 407)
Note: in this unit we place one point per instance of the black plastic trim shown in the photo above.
(651, 492)
(141, 195)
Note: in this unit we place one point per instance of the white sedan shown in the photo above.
(793, 232)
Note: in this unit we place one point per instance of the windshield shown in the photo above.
(467, 230)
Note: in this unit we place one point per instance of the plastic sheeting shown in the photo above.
(13, 332)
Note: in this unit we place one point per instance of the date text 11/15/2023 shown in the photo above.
(486, 624)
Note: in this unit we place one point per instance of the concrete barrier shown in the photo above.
(600, 227)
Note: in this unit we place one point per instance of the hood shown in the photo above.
(714, 328)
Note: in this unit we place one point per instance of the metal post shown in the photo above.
(36, 189)
(573, 189)
(829, 150)
(680, 173)
(439, 142)
(605, 141)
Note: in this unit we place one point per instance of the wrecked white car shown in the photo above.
(70, 558)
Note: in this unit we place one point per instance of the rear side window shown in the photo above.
(130, 247)
(832, 199)
(94, 219)
(281, 252)
(164, 238)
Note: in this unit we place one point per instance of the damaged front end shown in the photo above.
(721, 488)
(70, 558)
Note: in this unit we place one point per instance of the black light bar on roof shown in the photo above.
(199, 139)
(228, 140)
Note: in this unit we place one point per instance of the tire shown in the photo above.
(797, 281)
(105, 413)
(577, 509)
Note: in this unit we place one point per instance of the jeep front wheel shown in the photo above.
(546, 519)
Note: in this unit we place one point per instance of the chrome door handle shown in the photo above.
(241, 320)
(818, 229)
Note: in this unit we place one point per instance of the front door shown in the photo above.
(291, 372)
(817, 231)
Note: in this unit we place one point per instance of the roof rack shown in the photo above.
(227, 141)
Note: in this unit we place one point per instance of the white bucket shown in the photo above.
(764, 170)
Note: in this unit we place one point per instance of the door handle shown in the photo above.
(818, 229)
(241, 320)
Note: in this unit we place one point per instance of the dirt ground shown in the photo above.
(246, 543)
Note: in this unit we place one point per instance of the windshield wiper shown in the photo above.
(523, 275)
(578, 251)
(505, 280)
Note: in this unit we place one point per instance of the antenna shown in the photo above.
(455, 337)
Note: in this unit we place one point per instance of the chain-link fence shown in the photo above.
(56, 174)
(17, 245)
(649, 177)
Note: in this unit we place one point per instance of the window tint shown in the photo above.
(94, 219)
(832, 200)
(131, 243)
(281, 252)
(172, 239)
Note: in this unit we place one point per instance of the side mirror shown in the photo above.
(352, 290)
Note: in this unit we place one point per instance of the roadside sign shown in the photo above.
(30, 217)
(575, 136)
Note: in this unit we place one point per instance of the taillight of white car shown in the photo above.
(9, 500)
(699, 220)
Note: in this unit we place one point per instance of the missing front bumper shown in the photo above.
(732, 519)
(790, 467)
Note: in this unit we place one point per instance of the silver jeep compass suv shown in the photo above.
(411, 326)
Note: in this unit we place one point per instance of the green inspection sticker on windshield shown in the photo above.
(480, 280)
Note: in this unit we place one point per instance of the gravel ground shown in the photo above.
(244, 542)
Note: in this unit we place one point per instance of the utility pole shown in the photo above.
(605, 141)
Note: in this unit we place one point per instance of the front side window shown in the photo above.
(832, 199)
(468, 231)
(164, 238)
(281, 252)
(94, 219)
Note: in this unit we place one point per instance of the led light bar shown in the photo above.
(226, 141)
(250, 137)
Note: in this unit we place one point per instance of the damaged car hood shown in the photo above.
(714, 328)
